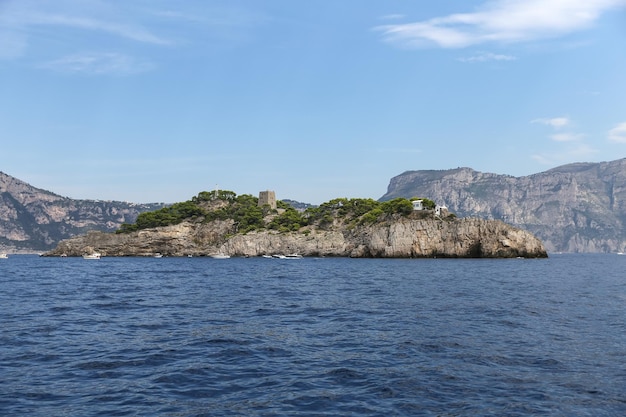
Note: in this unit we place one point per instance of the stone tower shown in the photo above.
(267, 197)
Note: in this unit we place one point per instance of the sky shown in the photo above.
(158, 100)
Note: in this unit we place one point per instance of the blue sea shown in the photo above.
(313, 337)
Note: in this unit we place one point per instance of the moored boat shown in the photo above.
(219, 256)
(290, 256)
(94, 255)
(3, 256)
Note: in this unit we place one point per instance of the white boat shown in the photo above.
(219, 256)
(94, 255)
(3, 256)
(158, 255)
(290, 256)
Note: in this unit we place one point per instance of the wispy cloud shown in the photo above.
(132, 32)
(99, 64)
(618, 133)
(27, 23)
(392, 17)
(555, 122)
(575, 153)
(567, 137)
(487, 56)
(501, 21)
(87, 25)
(24, 18)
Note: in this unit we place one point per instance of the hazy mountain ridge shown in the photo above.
(578, 207)
(32, 219)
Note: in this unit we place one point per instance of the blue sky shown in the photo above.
(157, 100)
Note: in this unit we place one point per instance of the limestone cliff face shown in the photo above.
(573, 208)
(32, 219)
(399, 238)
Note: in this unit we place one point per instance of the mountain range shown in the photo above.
(578, 207)
(34, 220)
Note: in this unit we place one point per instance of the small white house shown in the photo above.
(441, 210)
(418, 205)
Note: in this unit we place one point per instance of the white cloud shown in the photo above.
(392, 17)
(100, 64)
(555, 122)
(567, 137)
(618, 133)
(501, 21)
(487, 56)
(558, 124)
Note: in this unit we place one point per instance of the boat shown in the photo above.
(290, 256)
(219, 256)
(94, 255)
(3, 256)
(158, 255)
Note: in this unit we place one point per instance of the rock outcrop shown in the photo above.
(573, 208)
(402, 237)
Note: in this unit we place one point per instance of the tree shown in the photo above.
(397, 205)
(289, 220)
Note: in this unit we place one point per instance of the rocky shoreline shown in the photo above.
(400, 238)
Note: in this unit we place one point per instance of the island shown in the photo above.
(222, 222)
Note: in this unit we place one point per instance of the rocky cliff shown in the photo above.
(573, 208)
(34, 220)
(399, 237)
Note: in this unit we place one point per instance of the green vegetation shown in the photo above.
(247, 216)
(166, 216)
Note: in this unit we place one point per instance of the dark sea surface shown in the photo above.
(313, 337)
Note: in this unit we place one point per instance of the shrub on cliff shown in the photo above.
(355, 211)
(289, 220)
(166, 216)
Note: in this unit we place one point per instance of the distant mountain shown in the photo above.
(32, 219)
(298, 205)
(578, 207)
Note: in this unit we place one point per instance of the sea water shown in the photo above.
(313, 337)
